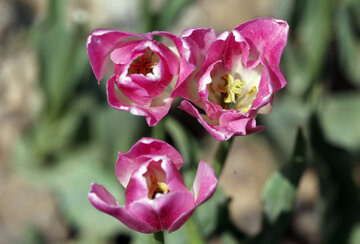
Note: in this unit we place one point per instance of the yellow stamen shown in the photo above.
(253, 89)
(232, 88)
(157, 187)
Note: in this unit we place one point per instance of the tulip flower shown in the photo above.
(144, 69)
(156, 197)
(235, 75)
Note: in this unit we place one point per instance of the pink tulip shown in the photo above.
(235, 75)
(156, 197)
(144, 70)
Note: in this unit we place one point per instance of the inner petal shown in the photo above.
(145, 63)
(236, 89)
(156, 180)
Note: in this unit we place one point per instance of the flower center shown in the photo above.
(231, 88)
(156, 187)
(144, 64)
(232, 93)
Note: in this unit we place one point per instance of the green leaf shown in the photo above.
(70, 180)
(355, 235)
(114, 131)
(341, 119)
(214, 218)
(279, 196)
(170, 12)
(184, 142)
(309, 39)
(348, 42)
(288, 114)
(280, 190)
(62, 56)
(338, 190)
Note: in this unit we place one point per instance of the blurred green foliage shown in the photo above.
(76, 137)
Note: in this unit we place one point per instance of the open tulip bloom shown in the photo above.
(156, 197)
(144, 69)
(235, 75)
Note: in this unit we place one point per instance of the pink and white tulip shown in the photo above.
(144, 70)
(156, 197)
(235, 75)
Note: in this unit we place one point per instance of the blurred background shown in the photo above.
(57, 133)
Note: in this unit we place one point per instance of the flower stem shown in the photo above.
(159, 237)
(158, 132)
(221, 155)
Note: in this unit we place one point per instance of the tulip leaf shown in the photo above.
(337, 187)
(278, 195)
(70, 180)
(62, 57)
(184, 142)
(349, 43)
(288, 113)
(280, 190)
(169, 13)
(114, 131)
(341, 121)
(355, 235)
(309, 39)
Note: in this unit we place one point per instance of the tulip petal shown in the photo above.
(153, 112)
(204, 184)
(268, 36)
(161, 212)
(196, 43)
(174, 180)
(128, 162)
(212, 129)
(101, 43)
(203, 188)
(101, 199)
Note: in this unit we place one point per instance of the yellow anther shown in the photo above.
(233, 87)
(157, 187)
(163, 187)
(253, 89)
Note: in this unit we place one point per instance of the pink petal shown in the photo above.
(136, 188)
(101, 199)
(204, 184)
(196, 42)
(153, 112)
(125, 52)
(174, 180)
(266, 91)
(101, 43)
(190, 109)
(203, 188)
(268, 36)
(161, 212)
(229, 123)
(233, 123)
(127, 163)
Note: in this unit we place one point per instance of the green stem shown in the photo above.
(159, 237)
(158, 132)
(221, 155)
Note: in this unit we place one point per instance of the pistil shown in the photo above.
(232, 88)
(144, 64)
